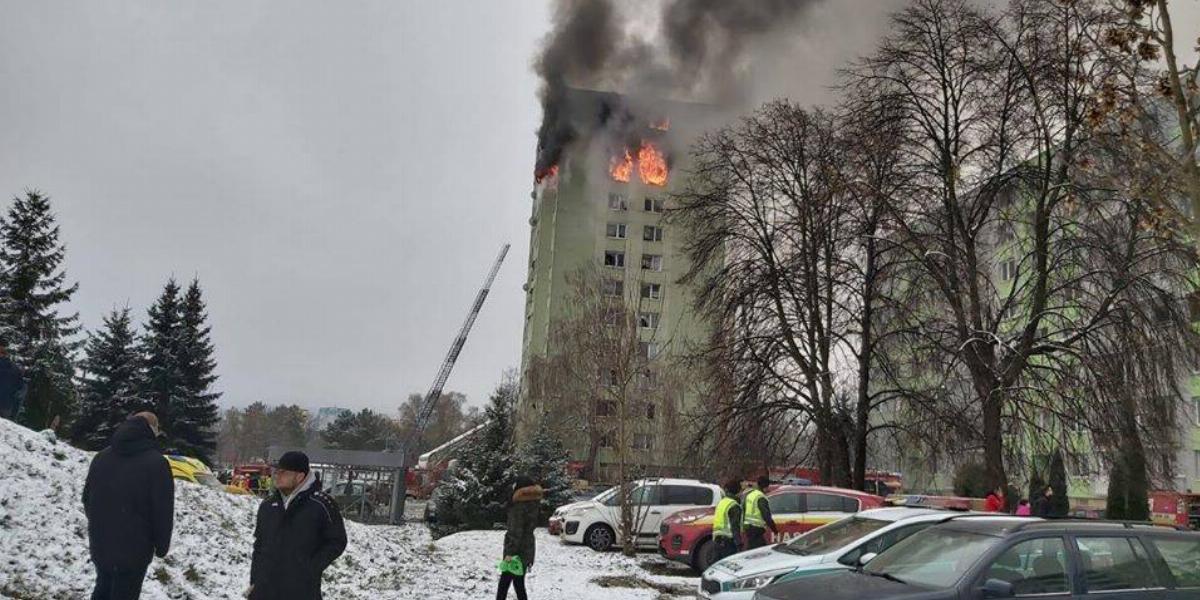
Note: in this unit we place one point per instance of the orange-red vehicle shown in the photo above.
(1175, 509)
(686, 536)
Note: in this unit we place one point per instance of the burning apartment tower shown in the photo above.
(599, 207)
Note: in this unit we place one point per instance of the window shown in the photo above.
(648, 380)
(617, 202)
(606, 440)
(1115, 563)
(643, 441)
(880, 543)
(1033, 567)
(652, 291)
(1182, 556)
(648, 320)
(651, 233)
(686, 495)
(835, 535)
(654, 205)
(650, 410)
(606, 408)
(786, 503)
(646, 495)
(1008, 269)
(616, 231)
(608, 378)
(614, 258)
(648, 350)
(932, 557)
(613, 287)
(831, 503)
(651, 262)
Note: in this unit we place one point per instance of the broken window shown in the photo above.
(652, 291)
(651, 262)
(614, 258)
(616, 231)
(651, 233)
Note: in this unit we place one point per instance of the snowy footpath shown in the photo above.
(44, 556)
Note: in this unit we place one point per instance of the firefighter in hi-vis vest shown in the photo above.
(758, 516)
(727, 523)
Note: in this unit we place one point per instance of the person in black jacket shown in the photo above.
(518, 540)
(298, 534)
(129, 498)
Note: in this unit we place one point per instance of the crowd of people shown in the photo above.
(1041, 506)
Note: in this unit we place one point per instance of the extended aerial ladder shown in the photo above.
(435, 390)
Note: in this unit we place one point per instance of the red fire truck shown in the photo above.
(1175, 509)
(686, 536)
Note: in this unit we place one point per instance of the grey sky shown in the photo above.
(338, 174)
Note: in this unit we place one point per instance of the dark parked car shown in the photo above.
(976, 557)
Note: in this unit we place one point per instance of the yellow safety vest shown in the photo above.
(722, 527)
(753, 516)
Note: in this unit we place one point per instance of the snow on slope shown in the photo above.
(44, 555)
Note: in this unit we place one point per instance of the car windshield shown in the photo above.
(833, 536)
(208, 479)
(605, 495)
(936, 557)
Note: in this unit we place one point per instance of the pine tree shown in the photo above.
(196, 417)
(33, 288)
(364, 430)
(108, 387)
(543, 458)
(162, 388)
(1060, 502)
(477, 491)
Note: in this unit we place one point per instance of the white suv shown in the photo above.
(595, 522)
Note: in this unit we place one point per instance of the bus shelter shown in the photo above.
(368, 486)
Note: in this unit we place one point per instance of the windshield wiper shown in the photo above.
(887, 576)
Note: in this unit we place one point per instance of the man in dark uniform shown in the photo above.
(298, 534)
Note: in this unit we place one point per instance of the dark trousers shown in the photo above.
(119, 583)
(723, 547)
(756, 537)
(518, 582)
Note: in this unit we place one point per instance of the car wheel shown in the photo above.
(702, 556)
(599, 538)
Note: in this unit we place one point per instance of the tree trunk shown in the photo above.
(993, 442)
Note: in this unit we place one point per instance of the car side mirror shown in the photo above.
(866, 558)
(997, 588)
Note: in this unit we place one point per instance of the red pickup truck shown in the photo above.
(686, 536)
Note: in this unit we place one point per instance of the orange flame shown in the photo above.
(546, 174)
(622, 170)
(652, 165)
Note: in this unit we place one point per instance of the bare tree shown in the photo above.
(608, 382)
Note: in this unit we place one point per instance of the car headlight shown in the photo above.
(755, 581)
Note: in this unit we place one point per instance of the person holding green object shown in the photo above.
(519, 546)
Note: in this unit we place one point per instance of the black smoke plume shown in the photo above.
(700, 50)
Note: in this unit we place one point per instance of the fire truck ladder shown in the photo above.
(435, 391)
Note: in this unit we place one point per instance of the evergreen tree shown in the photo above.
(195, 419)
(364, 430)
(162, 388)
(38, 338)
(1128, 494)
(1060, 502)
(478, 489)
(108, 387)
(544, 459)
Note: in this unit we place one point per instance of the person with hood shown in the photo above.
(129, 499)
(519, 546)
(298, 533)
(1041, 505)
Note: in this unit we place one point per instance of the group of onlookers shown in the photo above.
(1040, 507)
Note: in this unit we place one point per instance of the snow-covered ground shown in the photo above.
(44, 555)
